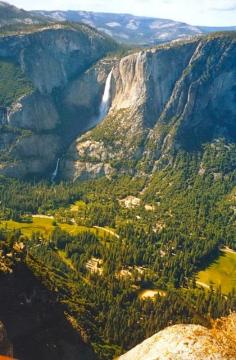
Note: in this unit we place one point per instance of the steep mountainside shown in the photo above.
(189, 342)
(39, 72)
(163, 101)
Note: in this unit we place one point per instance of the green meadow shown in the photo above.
(46, 225)
(222, 272)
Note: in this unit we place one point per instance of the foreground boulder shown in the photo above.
(189, 342)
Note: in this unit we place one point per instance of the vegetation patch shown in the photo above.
(13, 83)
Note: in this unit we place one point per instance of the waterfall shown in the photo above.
(105, 103)
(55, 172)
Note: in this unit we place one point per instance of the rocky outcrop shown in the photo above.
(73, 168)
(189, 342)
(35, 112)
(31, 155)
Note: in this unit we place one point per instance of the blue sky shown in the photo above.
(195, 12)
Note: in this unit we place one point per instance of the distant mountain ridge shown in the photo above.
(127, 28)
(124, 28)
(209, 29)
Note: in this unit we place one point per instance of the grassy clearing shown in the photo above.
(222, 272)
(150, 293)
(42, 225)
(45, 226)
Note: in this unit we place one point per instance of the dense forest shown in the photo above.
(180, 223)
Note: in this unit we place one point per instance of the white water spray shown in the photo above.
(105, 103)
(55, 172)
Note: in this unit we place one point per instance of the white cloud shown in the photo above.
(196, 12)
(222, 5)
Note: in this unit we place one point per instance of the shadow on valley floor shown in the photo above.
(35, 323)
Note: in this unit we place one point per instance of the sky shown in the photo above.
(195, 12)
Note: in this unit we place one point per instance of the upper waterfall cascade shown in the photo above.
(105, 103)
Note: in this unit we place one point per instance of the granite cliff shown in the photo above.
(174, 97)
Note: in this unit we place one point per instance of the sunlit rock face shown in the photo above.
(189, 342)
